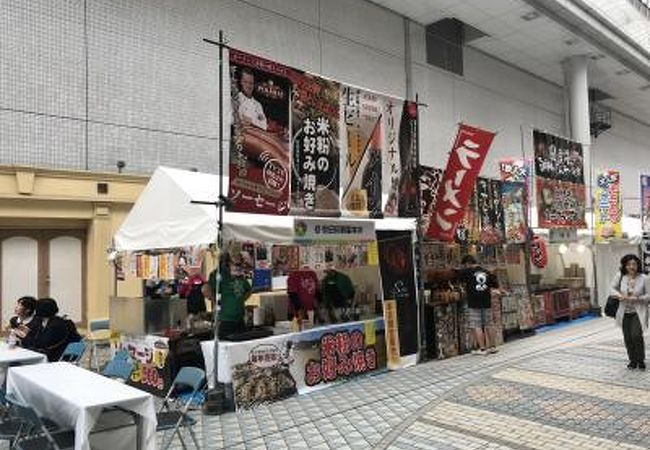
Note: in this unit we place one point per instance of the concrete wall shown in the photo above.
(84, 83)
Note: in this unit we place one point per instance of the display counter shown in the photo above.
(276, 367)
(141, 316)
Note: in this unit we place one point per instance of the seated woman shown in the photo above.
(24, 325)
(55, 332)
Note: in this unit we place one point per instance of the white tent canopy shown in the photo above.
(164, 216)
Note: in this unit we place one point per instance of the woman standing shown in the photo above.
(632, 288)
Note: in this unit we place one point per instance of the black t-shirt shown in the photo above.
(478, 283)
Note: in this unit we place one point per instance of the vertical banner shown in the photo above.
(391, 157)
(645, 203)
(401, 159)
(490, 211)
(559, 170)
(465, 161)
(408, 151)
(315, 122)
(259, 147)
(392, 335)
(515, 205)
(429, 183)
(609, 208)
(398, 282)
(362, 137)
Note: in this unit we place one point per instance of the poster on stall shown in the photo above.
(430, 178)
(152, 372)
(609, 207)
(560, 204)
(362, 141)
(645, 251)
(558, 159)
(515, 206)
(401, 158)
(490, 209)
(278, 367)
(465, 161)
(398, 283)
(645, 202)
(306, 229)
(316, 165)
(515, 170)
(259, 147)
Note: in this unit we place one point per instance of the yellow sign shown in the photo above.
(370, 332)
(373, 254)
(392, 334)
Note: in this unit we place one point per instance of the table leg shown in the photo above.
(138, 431)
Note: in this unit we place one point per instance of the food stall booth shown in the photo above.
(285, 259)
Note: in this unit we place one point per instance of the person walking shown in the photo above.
(632, 288)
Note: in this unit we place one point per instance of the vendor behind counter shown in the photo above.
(234, 290)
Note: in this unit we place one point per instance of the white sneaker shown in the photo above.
(493, 350)
(479, 352)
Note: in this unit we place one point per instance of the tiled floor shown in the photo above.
(565, 389)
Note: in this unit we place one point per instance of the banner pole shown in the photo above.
(420, 241)
(221, 43)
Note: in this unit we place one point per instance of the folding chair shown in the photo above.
(9, 425)
(99, 336)
(73, 352)
(176, 418)
(34, 435)
(121, 355)
(119, 369)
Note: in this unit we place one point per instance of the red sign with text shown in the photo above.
(465, 161)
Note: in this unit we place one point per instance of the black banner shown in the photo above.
(558, 159)
(398, 281)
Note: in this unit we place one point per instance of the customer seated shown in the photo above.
(55, 333)
(24, 325)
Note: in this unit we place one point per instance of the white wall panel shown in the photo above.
(365, 23)
(19, 272)
(66, 275)
(358, 65)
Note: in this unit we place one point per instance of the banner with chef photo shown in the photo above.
(362, 140)
(465, 161)
(316, 165)
(260, 141)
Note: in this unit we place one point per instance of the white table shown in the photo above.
(75, 397)
(17, 356)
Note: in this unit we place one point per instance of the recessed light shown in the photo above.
(623, 71)
(597, 56)
(532, 15)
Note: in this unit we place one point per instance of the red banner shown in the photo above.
(465, 161)
(560, 204)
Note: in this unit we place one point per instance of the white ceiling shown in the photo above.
(538, 46)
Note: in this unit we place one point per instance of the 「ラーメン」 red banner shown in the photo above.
(465, 161)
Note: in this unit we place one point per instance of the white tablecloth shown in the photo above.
(75, 397)
(17, 356)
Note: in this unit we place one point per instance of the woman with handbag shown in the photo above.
(632, 289)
